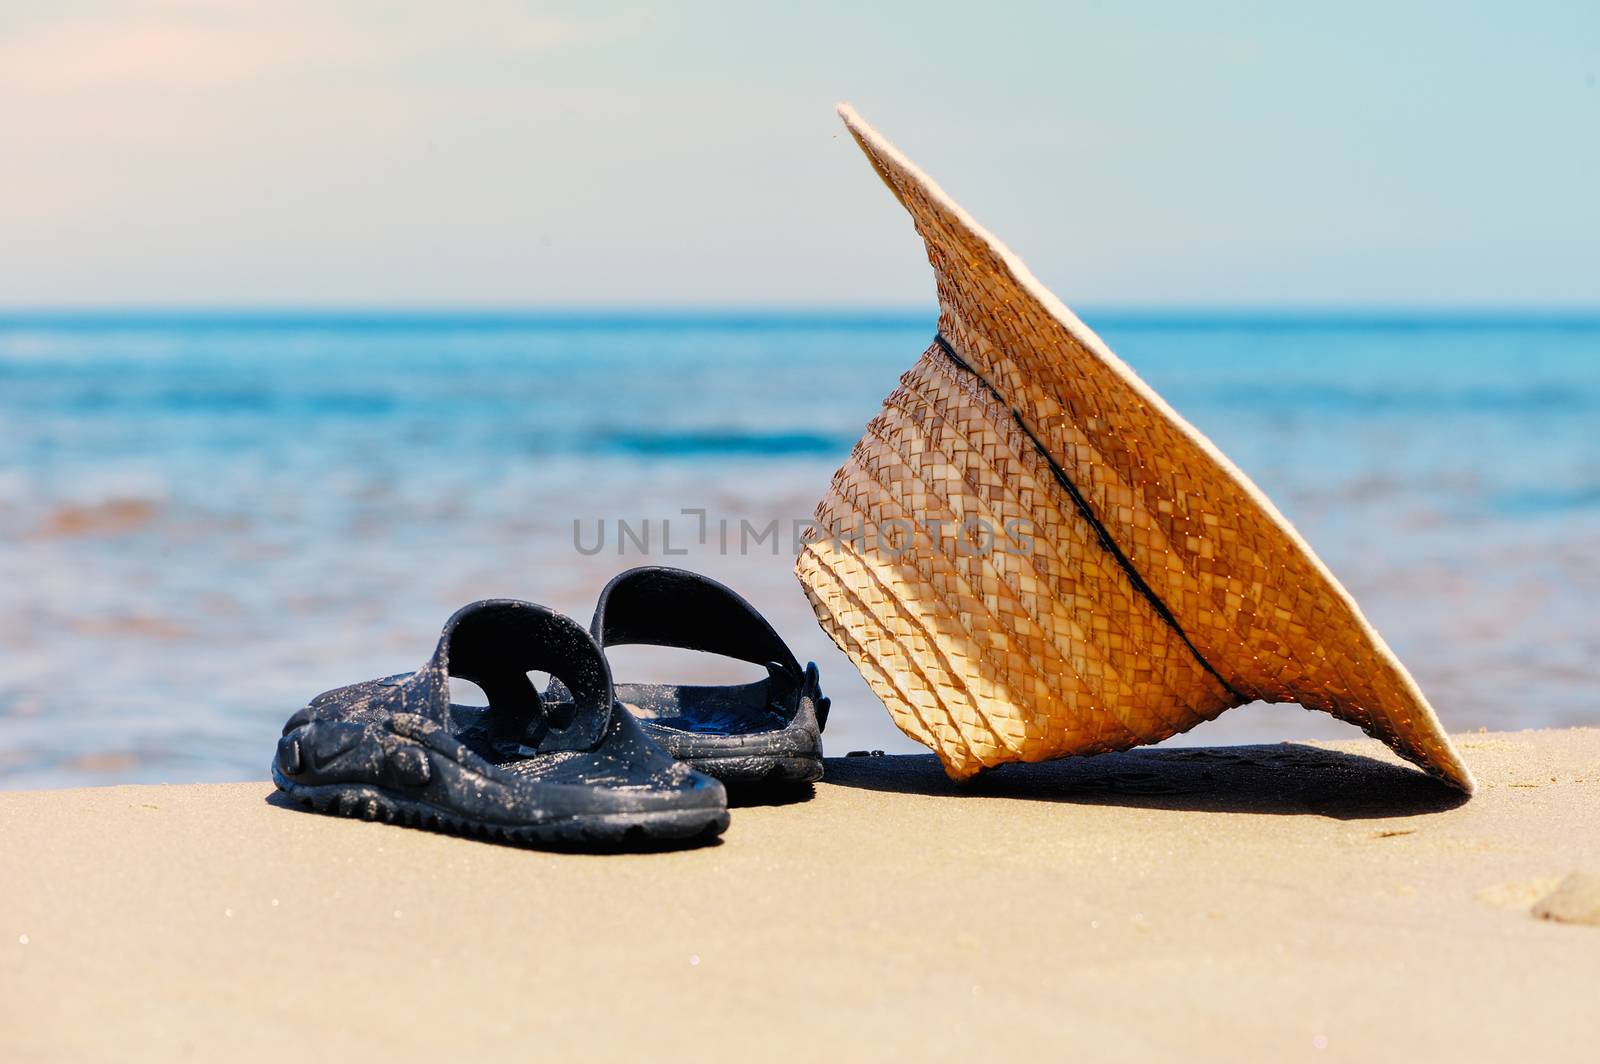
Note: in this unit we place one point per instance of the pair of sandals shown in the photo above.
(586, 762)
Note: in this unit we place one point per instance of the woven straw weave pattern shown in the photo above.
(991, 656)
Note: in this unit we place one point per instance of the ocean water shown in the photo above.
(207, 518)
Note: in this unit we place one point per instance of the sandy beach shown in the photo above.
(1274, 902)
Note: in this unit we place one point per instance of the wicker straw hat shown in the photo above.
(1029, 554)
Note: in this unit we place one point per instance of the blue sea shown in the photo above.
(206, 518)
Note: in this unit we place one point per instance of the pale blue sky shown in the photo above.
(189, 153)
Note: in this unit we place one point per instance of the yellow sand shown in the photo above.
(1283, 903)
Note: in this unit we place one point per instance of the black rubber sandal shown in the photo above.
(770, 730)
(525, 769)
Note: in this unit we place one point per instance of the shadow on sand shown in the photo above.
(1280, 779)
(744, 795)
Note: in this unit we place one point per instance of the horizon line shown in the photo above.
(813, 315)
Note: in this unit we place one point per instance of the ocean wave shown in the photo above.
(693, 443)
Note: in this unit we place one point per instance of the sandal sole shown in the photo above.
(592, 830)
(759, 768)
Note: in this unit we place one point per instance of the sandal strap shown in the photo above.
(495, 643)
(660, 606)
